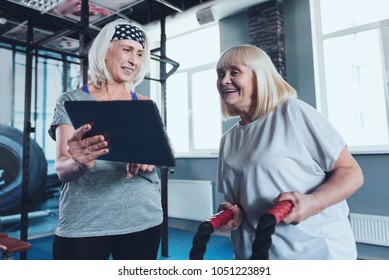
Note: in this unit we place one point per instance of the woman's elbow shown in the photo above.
(60, 174)
(61, 170)
(356, 178)
(359, 178)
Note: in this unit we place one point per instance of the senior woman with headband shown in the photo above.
(106, 210)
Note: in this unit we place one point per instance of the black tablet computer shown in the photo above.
(133, 129)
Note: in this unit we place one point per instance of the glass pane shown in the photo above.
(355, 88)
(206, 110)
(50, 73)
(196, 48)
(337, 15)
(19, 89)
(6, 75)
(177, 113)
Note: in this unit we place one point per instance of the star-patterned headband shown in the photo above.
(128, 32)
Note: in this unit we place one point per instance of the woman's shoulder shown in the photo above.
(295, 103)
(231, 131)
(297, 106)
(140, 96)
(75, 94)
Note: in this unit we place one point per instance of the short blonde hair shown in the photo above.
(271, 88)
(97, 69)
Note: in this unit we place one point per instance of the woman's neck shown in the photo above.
(246, 117)
(111, 91)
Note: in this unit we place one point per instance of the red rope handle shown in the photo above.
(221, 218)
(281, 210)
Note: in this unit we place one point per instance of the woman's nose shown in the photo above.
(133, 58)
(226, 79)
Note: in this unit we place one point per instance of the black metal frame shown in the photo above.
(84, 30)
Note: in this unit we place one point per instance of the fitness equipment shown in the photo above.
(262, 242)
(204, 232)
(266, 227)
(11, 162)
(9, 246)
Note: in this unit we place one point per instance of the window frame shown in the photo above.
(319, 66)
(193, 152)
(39, 94)
(190, 71)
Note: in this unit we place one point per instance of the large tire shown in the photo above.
(11, 171)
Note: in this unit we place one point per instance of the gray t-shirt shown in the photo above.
(291, 149)
(103, 201)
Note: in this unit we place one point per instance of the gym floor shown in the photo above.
(41, 229)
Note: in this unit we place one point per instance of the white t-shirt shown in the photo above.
(291, 149)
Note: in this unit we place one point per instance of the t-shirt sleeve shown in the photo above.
(60, 115)
(322, 140)
(219, 178)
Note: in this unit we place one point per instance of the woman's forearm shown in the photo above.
(343, 183)
(68, 169)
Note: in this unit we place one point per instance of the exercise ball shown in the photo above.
(11, 171)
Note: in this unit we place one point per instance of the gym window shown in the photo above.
(193, 119)
(351, 57)
(52, 74)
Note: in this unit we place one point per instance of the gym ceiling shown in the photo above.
(57, 24)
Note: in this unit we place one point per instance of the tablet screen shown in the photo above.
(133, 129)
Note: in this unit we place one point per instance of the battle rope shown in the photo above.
(264, 230)
(266, 227)
(204, 232)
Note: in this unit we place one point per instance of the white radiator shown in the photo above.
(190, 199)
(370, 229)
